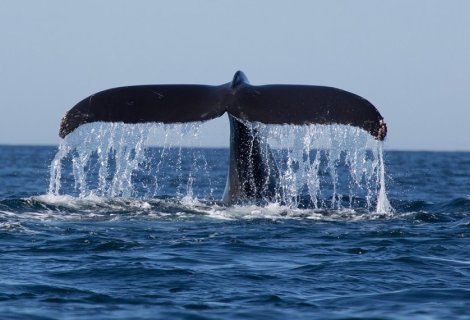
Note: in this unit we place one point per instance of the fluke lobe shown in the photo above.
(253, 175)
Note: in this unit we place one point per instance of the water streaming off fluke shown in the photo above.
(321, 167)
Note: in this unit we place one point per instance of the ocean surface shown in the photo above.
(93, 247)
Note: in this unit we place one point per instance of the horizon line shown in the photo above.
(227, 147)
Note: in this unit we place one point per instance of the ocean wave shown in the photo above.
(66, 207)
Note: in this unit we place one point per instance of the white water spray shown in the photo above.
(334, 167)
(337, 165)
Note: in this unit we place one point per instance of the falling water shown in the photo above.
(336, 165)
(115, 160)
(321, 167)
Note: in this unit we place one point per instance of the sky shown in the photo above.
(411, 59)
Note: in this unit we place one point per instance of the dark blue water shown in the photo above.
(177, 257)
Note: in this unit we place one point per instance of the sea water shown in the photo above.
(109, 226)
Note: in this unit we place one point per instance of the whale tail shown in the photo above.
(269, 104)
(253, 174)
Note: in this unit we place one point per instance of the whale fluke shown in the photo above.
(269, 104)
(147, 103)
(303, 105)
